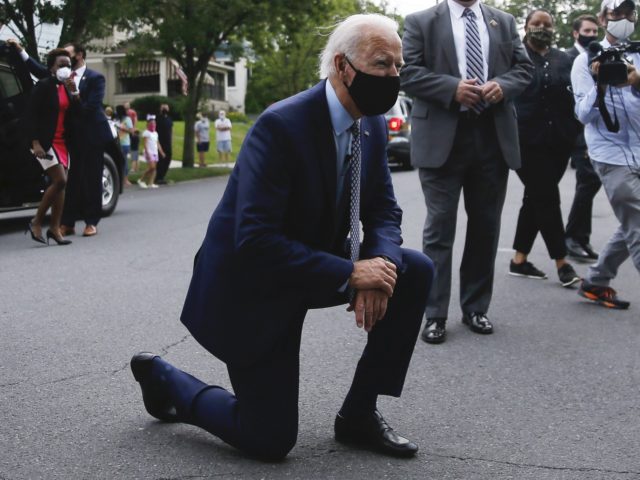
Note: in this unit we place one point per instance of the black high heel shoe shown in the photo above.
(58, 240)
(37, 238)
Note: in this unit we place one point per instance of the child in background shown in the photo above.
(151, 150)
(135, 146)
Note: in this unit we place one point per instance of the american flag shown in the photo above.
(182, 75)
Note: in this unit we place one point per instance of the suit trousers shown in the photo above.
(623, 190)
(164, 162)
(83, 197)
(541, 171)
(587, 185)
(475, 167)
(261, 416)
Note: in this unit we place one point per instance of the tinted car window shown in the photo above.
(9, 85)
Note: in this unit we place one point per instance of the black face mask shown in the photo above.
(540, 37)
(372, 94)
(585, 40)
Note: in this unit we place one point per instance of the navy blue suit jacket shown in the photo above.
(91, 125)
(276, 241)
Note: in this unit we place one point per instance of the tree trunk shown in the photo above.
(195, 93)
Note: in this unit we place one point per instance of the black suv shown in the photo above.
(22, 181)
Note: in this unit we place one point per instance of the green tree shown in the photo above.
(292, 65)
(191, 31)
(564, 12)
(82, 20)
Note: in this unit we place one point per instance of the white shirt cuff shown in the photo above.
(24, 55)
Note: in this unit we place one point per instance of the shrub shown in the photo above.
(237, 117)
(151, 105)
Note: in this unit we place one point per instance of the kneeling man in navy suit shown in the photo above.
(284, 239)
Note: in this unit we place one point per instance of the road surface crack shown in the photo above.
(163, 351)
(533, 465)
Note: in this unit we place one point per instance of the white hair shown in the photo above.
(348, 36)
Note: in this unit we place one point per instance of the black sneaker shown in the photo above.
(526, 269)
(567, 275)
(605, 296)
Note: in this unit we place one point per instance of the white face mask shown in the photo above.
(63, 73)
(621, 29)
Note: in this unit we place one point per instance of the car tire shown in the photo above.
(406, 164)
(110, 186)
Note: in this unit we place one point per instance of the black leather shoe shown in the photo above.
(434, 330)
(157, 404)
(576, 250)
(477, 322)
(593, 255)
(373, 433)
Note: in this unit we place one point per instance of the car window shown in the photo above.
(9, 84)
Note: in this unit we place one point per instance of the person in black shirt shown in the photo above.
(547, 130)
(164, 125)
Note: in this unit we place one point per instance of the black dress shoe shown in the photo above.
(434, 330)
(593, 255)
(477, 322)
(576, 250)
(155, 401)
(372, 432)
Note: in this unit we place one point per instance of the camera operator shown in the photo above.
(614, 146)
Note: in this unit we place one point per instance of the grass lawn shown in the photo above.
(238, 132)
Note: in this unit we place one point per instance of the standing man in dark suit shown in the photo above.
(311, 168)
(83, 198)
(464, 64)
(164, 126)
(578, 231)
(84, 190)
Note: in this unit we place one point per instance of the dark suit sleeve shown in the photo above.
(33, 114)
(381, 216)
(95, 94)
(264, 190)
(517, 78)
(37, 69)
(417, 79)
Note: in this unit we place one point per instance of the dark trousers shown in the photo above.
(541, 171)
(83, 198)
(261, 418)
(163, 162)
(476, 167)
(587, 185)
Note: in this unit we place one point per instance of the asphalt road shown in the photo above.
(553, 394)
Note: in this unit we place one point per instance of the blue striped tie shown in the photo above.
(475, 66)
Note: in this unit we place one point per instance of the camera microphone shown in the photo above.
(595, 48)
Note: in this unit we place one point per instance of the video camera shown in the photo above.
(613, 64)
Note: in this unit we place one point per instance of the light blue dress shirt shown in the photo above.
(623, 147)
(341, 120)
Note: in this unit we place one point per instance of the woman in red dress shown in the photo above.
(51, 104)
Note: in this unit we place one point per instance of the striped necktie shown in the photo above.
(354, 192)
(475, 65)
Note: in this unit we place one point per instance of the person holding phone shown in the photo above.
(50, 106)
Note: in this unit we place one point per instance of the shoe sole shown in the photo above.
(433, 341)
(523, 275)
(347, 439)
(599, 301)
(573, 281)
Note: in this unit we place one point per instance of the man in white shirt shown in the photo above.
(578, 229)
(614, 148)
(202, 138)
(223, 136)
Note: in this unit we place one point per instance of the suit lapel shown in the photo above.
(324, 145)
(494, 38)
(445, 34)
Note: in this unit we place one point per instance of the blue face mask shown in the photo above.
(373, 94)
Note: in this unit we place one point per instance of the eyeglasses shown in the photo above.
(632, 16)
